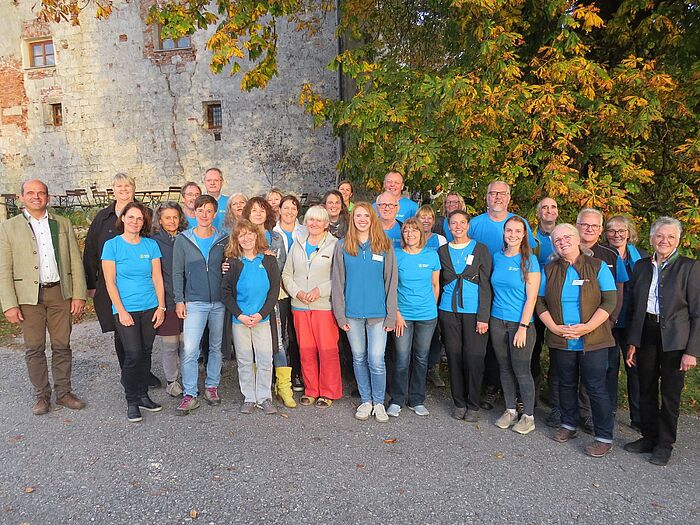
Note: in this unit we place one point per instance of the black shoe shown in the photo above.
(355, 393)
(490, 398)
(660, 456)
(297, 384)
(553, 419)
(153, 381)
(472, 416)
(133, 414)
(640, 446)
(635, 425)
(149, 405)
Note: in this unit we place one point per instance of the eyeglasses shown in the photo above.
(587, 226)
(616, 232)
(386, 205)
(563, 239)
(498, 193)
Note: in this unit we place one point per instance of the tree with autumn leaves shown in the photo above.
(592, 103)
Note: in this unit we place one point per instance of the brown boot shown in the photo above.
(41, 406)
(71, 401)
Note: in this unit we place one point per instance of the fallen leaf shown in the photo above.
(500, 455)
(477, 426)
(19, 437)
(216, 478)
(596, 485)
(402, 492)
(656, 505)
(231, 434)
(28, 490)
(360, 465)
(285, 416)
(390, 441)
(194, 514)
(67, 421)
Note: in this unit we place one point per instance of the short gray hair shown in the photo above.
(317, 212)
(584, 211)
(488, 188)
(665, 221)
(123, 177)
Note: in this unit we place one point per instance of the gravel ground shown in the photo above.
(313, 466)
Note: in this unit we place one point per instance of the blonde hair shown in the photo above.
(416, 225)
(378, 241)
(233, 249)
(123, 177)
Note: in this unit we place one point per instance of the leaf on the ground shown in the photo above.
(284, 415)
(499, 455)
(390, 441)
(67, 421)
(231, 434)
(656, 505)
(19, 437)
(194, 514)
(28, 490)
(103, 366)
(477, 426)
(596, 485)
(216, 478)
(360, 465)
(402, 491)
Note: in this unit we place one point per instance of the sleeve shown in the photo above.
(77, 270)
(606, 281)
(228, 290)
(635, 323)
(288, 281)
(543, 283)
(485, 293)
(391, 283)
(534, 264)
(693, 298)
(155, 250)
(273, 275)
(179, 270)
(91, 257)
(435, 261)
(621, 270)
(109, 252)
(338, 285)
(8, 294)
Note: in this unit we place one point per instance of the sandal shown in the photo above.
(307, 401)
(324, 402)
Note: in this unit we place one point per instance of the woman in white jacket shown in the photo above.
(307, 279)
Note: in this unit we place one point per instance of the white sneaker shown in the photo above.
(506, 420)
(420, 410)
(394, 410)
(174, 389)
(363, 411)
(525, 425)
(380, 413)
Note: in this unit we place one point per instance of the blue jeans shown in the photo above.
(199, 314)
(367, 343)
(414, 343)
(592, 367)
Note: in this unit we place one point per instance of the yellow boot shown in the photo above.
(283, 374)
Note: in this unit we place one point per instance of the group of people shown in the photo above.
(391, 282)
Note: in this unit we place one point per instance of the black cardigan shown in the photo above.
(478, 272)
(679, 304)
(230, 280)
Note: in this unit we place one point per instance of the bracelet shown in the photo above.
(525, 325)
(162, 308)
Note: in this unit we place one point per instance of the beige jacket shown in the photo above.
(302, 274)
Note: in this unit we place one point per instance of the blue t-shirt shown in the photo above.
(415, 291)
(571, 296)
(394, 234)
(134, 270)
(446, 229)
(546, 247)
(290, 239)
(407, 209)
(509, 293)
(222, 202)
(191, 221)
(485, 230)
(435, 241)
(204, 243)
(470, 291)
(310, 249)
(252, 287)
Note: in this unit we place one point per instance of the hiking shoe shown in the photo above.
(519, 407)
(174, 389)
(149, 405)
(297, 384)
(363, 411)
(70, 400)
(597, 449)
(420, 410)
(564, 434)
(553, 418)
(394, 410)
(459, 412)
(640, 446)
(434, 376)
(380, 413)
(133, 414)
(472, 416)
(506, 420)
(247, 407)
(661, 456)
(187, 405)
(490, 398)
(525, 425)
(42, 406)
(211, 395)
(268, 407)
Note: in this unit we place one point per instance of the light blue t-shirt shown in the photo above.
(134, 269)
(435, 241)
(470, 291)
(485, 230)
(394, 234)
(446, 229)
(310, 249)
(252, 287)
(407, 209)
(290, 239)
(204, 243)
(222, 203)
(191, 221)
(416, 299)
(546, 248)
(509, 293)
(571, 297)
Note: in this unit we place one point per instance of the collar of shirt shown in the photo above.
(30, 217)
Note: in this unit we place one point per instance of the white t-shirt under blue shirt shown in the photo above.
(134, 267)
(509, 293)
(416, 299)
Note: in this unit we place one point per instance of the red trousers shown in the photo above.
(317, 333)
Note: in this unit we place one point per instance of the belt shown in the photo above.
(655, 318)
(50, 285)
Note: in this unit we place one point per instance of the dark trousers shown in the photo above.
(536, 360)
(52, 312)
(435, 347)
(632, 376)
(289, 331)
(138, 345)
(591, 367)
(492, 372)
(514, 363)
(653, 364)
(466, 350)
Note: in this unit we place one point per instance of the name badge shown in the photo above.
(470, 259)
(377, 257)
(577, 282)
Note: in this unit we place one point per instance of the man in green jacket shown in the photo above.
(42, 283)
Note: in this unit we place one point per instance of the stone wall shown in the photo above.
(129, 107)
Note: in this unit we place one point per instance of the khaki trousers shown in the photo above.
(52, 313)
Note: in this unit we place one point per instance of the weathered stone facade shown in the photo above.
(128, 106)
